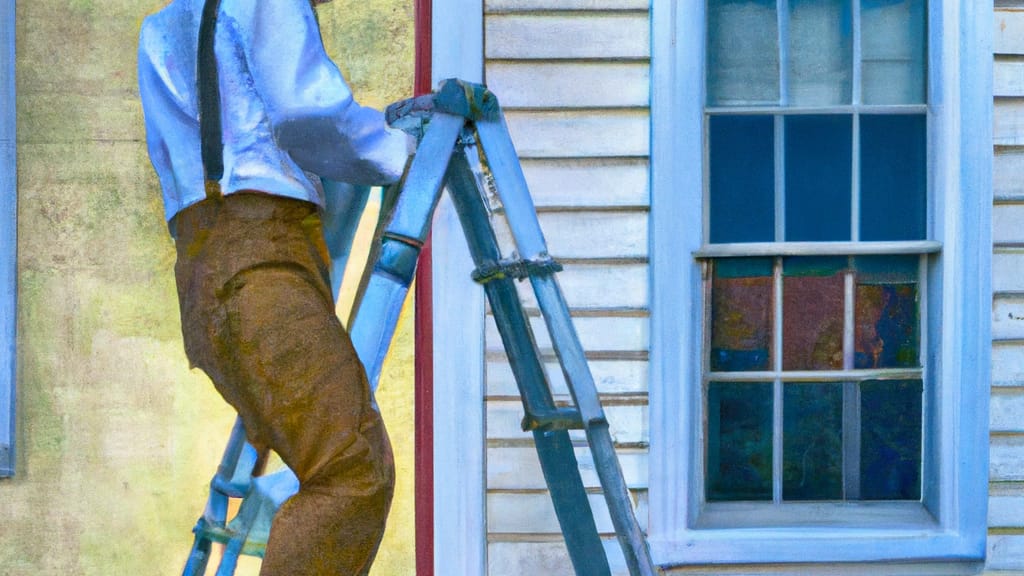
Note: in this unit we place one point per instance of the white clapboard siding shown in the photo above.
(610, 377)
(491, 6)
(1008, 38)
(518, 468)
(628, 424)
(587, 234)
(529, 513)
(1008, 222)
(1008, 271)
(1008, 78)
(1006, 507)
(598, 285)
(561, 36)
(1008, 318)
(1006, 458)
(1007, 364)
(530, 84)
(517, 558)
(1005, 552)
(1006, 412)
(606, 333)
(1008, 126)
(1007, 168)
(576, 133)
(590, 182)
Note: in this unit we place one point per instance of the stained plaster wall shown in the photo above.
(117, 439)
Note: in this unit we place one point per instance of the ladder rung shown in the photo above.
(555, 419)
(515, 268)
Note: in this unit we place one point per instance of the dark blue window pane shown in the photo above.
(812, 452)
(892, 177)
(741, 314)
(818, 183)
(739, 456)
(887, 330)
(890, 457)
(742, 179)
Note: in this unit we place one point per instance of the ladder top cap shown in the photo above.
(453, 96)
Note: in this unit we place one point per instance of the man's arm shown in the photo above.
(311, 108)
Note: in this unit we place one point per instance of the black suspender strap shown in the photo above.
(209, 100)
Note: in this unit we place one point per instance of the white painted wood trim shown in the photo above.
(460, 531)
(961, 148)
(8, 238)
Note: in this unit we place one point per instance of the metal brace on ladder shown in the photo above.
(458, 120)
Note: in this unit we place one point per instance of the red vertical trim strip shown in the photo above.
(424, 340)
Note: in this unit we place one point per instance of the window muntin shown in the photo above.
(815, 239)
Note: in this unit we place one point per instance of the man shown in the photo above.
(256, 307)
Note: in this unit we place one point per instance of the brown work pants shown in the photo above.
(258, 317)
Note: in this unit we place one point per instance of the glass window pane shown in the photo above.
(893, 155)
(743, 53)
(818, 182)
(812, 451)
(741, 314)
(812, 313)
(890, 458)
(887, 332)
(893, 51)
(820, 63)
(739, 441)
(742, 178)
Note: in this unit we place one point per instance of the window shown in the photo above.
(820, 192)
(8, 231)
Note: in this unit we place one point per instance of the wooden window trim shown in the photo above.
(8, 238)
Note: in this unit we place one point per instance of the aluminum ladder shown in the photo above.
(462, 135)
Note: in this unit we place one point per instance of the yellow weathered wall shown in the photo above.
(116, 438)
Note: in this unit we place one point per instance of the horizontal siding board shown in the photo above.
(1006, 510)
(1006, 459)
(1008, 122)
(1007, 364)
(1008, 222)
(1008, 317)
(598, 285)
(1008, 78)
(533, 513)
(627, 424)
(1007, 168)
(589, 182)
(1009, 32)
(530, 5)
(569, 84)
(518, 468)
(1006, 414)
(587, 234)
(610, 377)
(588, 133)
(595, 35)
(1008, 271)
(1005, 552)
(544, 559)
(608, 333)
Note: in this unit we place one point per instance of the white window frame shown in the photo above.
(8, 238)
(948, 531)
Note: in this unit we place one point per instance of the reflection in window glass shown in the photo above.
(818, 169)
(887, 330)
(742, 179)
(739, 456)
(812, 313)
(890, 460)
(893, 51)
(812, 453)
(893, 185)
(820, 52)
(743, 53)
(741, 319)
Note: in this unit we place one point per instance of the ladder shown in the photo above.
(459, 127)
